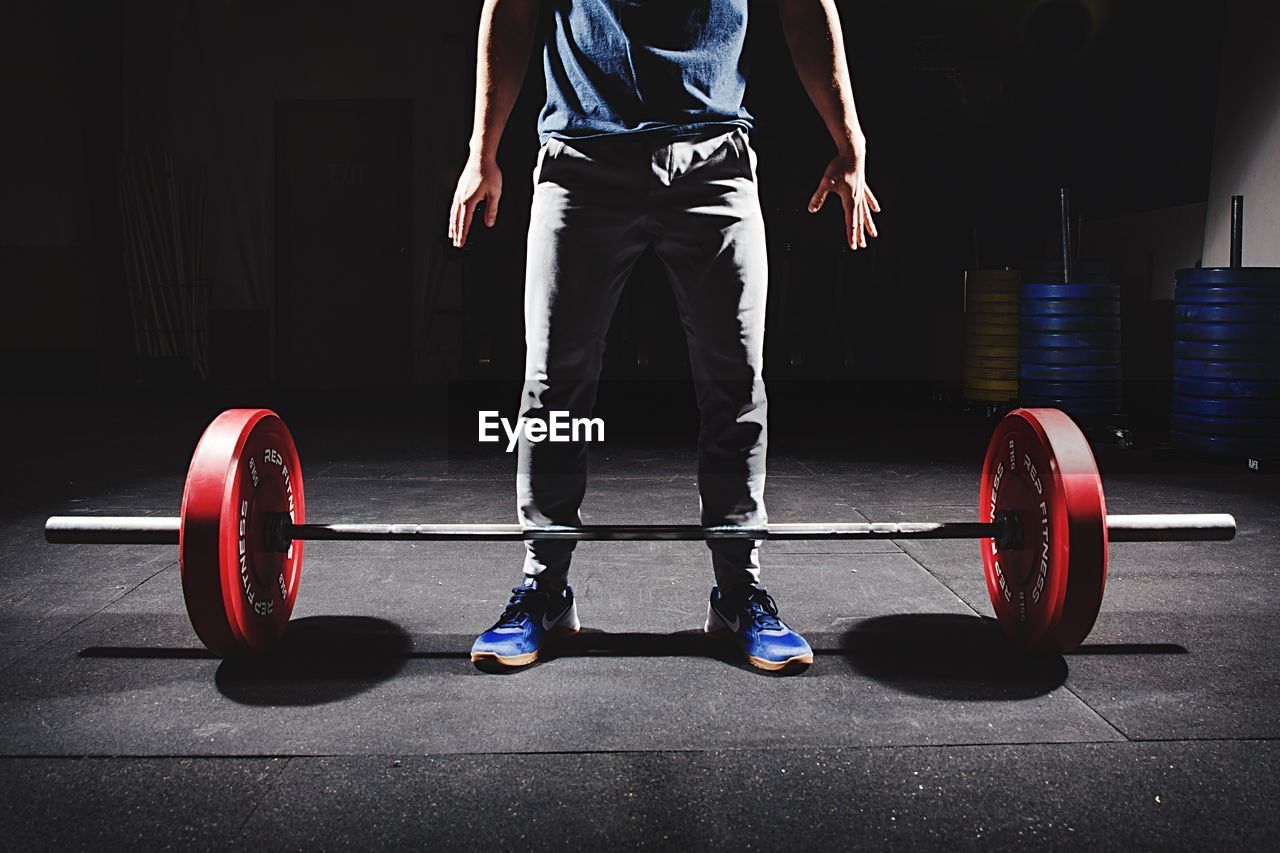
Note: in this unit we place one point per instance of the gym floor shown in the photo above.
(916, 724)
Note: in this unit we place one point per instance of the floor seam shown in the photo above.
(287, 759)
(901, 548)
(826, 484)
(28, 652)
(1097, 713)
(975, 612)
(942, 582)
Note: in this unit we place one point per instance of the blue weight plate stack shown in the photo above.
(1226, 361)
(1069, 346)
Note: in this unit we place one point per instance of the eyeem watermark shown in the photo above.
(557, 426)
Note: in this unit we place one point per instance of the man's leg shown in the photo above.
(713, 245)
(586, 231)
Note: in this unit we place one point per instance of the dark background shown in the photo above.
(327, 138)
(328, 135)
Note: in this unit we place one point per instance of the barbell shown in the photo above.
(1042, 525)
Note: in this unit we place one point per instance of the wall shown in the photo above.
(1144, 250)
(46, 279)
(232, 61)
(972, 126)
(1246, 152)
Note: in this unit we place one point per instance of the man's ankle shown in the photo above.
(734, 596)
(546, 585)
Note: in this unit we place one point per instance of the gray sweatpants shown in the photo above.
(597, 205)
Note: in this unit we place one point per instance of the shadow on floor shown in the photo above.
(324, 659)
(640, 644)
(949, 656)
(593, 642)
(320, 659)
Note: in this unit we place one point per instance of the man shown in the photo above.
(645, 146)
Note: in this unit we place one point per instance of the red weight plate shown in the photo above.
(239, 594)
(1047, 592)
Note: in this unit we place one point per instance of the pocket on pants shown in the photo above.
(549, 154)
(553, 147)
(546, 154)
(742, 144)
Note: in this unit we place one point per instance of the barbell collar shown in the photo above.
(112, 530)
(1172, 527)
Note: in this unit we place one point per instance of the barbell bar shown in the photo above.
(1042, 525)
(156, 530)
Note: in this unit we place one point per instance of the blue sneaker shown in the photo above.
(754, 623)
(531, 616)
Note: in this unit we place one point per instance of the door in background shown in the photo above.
(343, 216)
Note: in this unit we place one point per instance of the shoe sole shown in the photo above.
(776, 666)
(762, 663)
(509, 661)
(517, 661)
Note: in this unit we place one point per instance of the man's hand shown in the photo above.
(502, 54)
(480, 181)
(812, 28)
(846, 176)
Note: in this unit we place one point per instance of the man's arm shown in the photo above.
(502, 55)
(812, 28)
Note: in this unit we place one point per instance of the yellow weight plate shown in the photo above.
(977, 309)
(988, 372)
(975, 342)
(988, 396)
(997, 363)
(977, 374)
(992, 350)
(993, 297)
(992, 385)
(990, 327)
(982, 312)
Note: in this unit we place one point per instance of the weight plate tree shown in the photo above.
(1226, 356)
(1069, 335)
(1076, 368)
